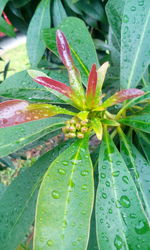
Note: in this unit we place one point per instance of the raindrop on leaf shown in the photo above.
(55, 194)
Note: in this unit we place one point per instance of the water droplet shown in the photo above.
(83, 212)
(104, 195)
(141, 2)
(84, 186)
(61, 171)
(125, 19)
(125, 179)
(65, 163)
(64, 225)
(110, 211)
(103, 167)
(107, 183)
(133, 8)
(101, 221)
(49, 243)
(124, 201)
(115, 173)
(103, 175)
(118, 242)
(132, 216)
(142, 227)
(55, 194)
(84, 172)
(74, 243)
(75, 162)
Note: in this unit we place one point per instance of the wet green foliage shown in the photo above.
(86, 193)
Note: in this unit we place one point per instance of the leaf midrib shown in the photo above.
(68, 192)
(137, 52)
(114, 183)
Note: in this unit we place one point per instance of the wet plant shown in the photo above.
(80, 198)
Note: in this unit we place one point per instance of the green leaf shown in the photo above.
(114, 10)
(40, 20)
(144, 140)
(141, 122)
(139, 168)
(21, 86)
(137, 100)
(18, 3)
(65, 201)
(6, 28)
(16, 137)
(2, 5)
(19, 200)
(78, 38)
(121, 220)
(97, 127)
(135, 46)
(58, 12)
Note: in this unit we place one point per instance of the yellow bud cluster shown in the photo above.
(75, 128)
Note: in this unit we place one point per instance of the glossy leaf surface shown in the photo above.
(66, 57)
(19, 201)
(15, 112)
(65, 201)
(144, 140)
(58, 12)
(101, 73)
(139, 168)
(78, 38)
(139, 99)
(97, 127)
(53, 84)
(91, 87)
(141, 122)
(16, 137)
(114, 10)
(121, 96)
(40, 20)
(135, 46)
(21, 86)
(121, 221)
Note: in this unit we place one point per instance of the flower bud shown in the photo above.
(80, 135)
(72, 129)
(84, 129)
(73, 121)
(72, 135)
(84, 122)
(78, 125)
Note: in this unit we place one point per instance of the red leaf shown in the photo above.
(120, 97)
(92, 82)
(64, 50)
(73, 72)
(127, 94)
(15, 112)
(56, 85)
(91, 87)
